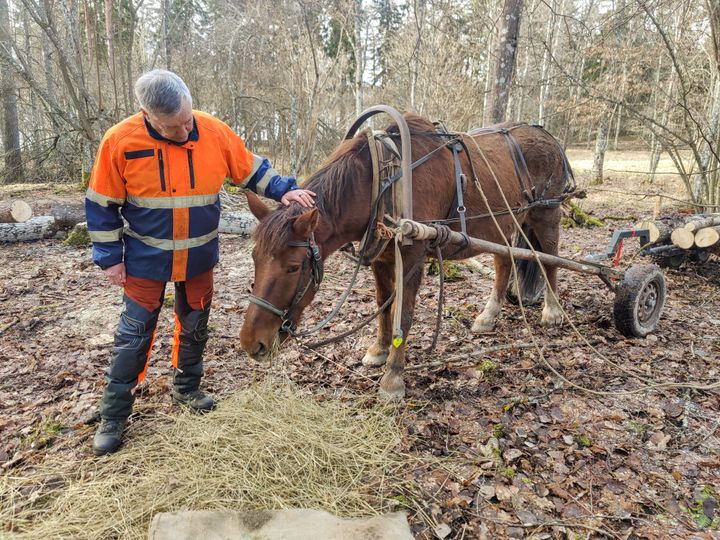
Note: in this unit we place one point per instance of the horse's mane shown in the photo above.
(333, 184)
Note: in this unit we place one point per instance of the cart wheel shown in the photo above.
(639, 300)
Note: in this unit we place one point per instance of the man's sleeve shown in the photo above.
(255, 172)
(105, 196)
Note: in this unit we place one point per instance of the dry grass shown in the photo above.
(266, 447)
(626, 180)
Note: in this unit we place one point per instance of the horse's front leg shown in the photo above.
(378, 352)
(392, 385)
(486, 320)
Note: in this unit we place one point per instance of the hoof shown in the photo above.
(552, 319)
(374, 360)
(391, 396)
(391, 388)
(480, 327)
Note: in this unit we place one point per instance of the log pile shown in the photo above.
(676, 239)
(56, 220)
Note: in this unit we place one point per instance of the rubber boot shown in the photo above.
(133, 340)
(191, 335)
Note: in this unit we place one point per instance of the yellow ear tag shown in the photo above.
(397, 342)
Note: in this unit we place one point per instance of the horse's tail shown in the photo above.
(529, 277)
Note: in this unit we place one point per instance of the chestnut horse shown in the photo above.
(290, 242)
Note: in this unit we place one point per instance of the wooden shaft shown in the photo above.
(419, 231)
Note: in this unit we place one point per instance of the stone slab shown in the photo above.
(290, 524)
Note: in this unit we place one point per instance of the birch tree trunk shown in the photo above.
(600, 147)
(110, 37)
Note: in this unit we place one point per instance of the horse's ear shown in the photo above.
(306, 223)
(257, 207)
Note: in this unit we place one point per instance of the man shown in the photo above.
(162, 170)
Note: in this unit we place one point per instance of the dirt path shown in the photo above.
(560, 459)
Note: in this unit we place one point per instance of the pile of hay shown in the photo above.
(266, 447)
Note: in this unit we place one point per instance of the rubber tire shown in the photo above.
(640, 280)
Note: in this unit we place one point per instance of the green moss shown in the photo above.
(697, 511)
(498, 431)
(452, 271)
(232, 189)
(583, 441)
(44, 433)
(169, 300)
(487, 368)
(404, 502)
(581, 218)
(78, 237)
(509, 472)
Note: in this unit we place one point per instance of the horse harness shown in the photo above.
(386, 205)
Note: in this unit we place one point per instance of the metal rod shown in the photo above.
(419, 231)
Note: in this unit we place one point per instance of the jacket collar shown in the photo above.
(194, 135)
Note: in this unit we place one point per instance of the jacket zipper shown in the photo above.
(161, 163)
(192, 170)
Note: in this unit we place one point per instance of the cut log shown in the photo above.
(683, 238)
(67, 215)
(659, 230)
(709, 236)
(242, 223)
(36, 228)
(15, 211)
(695, 225)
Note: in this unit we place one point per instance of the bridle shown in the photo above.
(312, 262)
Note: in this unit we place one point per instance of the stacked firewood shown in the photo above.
(676, 239)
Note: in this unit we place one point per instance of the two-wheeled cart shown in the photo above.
(639, 291)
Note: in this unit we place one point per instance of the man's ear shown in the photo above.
(306, 223)
(257, 207)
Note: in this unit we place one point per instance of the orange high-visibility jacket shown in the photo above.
(168, 193)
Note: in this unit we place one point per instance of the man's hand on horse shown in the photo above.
(301, 196)
(116, 274)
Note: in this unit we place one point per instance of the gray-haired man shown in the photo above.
(161, 170)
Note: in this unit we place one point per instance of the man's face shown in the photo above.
(175, 127)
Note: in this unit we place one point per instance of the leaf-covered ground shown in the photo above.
(528, 453)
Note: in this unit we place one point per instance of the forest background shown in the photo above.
(290, 76)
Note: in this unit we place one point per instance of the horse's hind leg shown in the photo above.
(486, 320)
(546, 225)
(384, 286)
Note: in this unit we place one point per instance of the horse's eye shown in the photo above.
(292, 269)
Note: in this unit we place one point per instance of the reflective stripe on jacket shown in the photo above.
(168, 193)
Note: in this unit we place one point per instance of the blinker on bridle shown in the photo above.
(313, 259)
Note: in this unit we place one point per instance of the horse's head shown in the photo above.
(288, 271)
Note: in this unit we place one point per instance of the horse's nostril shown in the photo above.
(261, 349)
